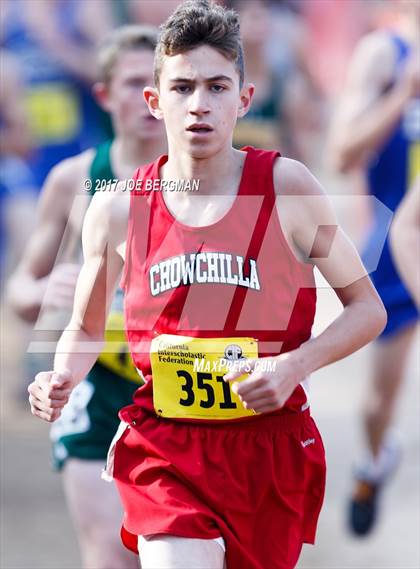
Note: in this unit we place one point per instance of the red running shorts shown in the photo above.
(259, 484)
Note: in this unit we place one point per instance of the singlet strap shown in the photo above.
(260, 183)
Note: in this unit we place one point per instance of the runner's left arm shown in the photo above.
(311, 228)
(316, 233)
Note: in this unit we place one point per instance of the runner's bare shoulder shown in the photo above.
(310, 225)
(301, 204)
(292, 177)
(300, 196)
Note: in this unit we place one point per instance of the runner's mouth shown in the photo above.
(199, 128)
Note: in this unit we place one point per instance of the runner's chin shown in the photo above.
(202, 145)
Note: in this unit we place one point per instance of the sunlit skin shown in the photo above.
(190, 94)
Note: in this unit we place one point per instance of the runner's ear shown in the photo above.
(245, 99)
(100, 93)
(151, 96)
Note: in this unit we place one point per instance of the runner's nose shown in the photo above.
(199, 104)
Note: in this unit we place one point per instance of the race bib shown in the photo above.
(188, 376)
(116, 354)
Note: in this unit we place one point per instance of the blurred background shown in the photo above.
(297, 53)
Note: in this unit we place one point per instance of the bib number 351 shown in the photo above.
(205, 383)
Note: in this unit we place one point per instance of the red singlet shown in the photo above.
(278, 310)
(234, 278)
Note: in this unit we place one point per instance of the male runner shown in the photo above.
(377, 128)
(82, 436)
(222, 274)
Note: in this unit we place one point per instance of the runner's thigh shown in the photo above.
(93, 503)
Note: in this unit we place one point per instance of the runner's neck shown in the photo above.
(218, 175)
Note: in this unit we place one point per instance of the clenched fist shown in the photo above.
(49, 393)
(270, 383)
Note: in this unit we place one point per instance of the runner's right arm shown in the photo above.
(367, 114)
(38, 280)
(104, 233)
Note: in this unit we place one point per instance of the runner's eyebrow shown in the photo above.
(219, 78)
(207, 79)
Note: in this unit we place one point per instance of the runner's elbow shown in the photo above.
(378, 317)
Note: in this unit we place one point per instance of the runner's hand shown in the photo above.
(48, 394)
(270, 383)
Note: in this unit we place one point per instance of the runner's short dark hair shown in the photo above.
(200, 22)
